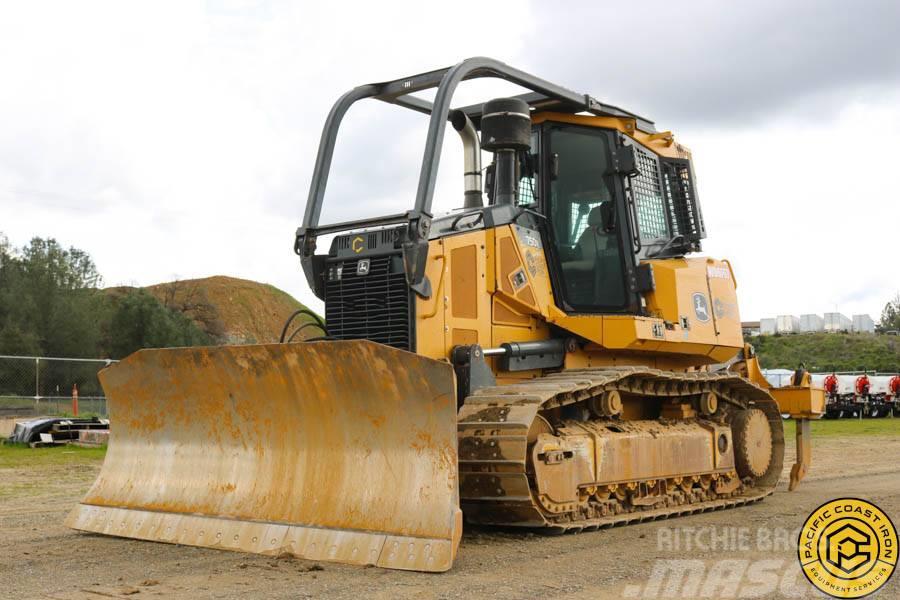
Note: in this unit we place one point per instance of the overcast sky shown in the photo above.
(177, 139)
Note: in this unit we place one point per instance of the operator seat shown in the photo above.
(595, 278)
(599, 234)
(600, 241)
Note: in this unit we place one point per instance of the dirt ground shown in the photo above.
(43, 559)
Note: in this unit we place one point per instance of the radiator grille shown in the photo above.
(375, 306)
(682, 200)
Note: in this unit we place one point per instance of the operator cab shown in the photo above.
(607, 202)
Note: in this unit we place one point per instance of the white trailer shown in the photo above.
(767, 327)
(811, 324)
(836, 322)
(787, 324)
(863, 324)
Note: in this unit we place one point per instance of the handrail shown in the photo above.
(398, 92)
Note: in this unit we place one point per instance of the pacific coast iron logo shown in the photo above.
(848, 548)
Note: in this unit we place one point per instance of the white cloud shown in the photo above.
(726, 63)
(806, 212)
(177, 138)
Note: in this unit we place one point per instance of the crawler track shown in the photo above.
(497, 429)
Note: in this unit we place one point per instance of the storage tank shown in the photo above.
(778, 377)
(893, 397)
(879, 385)
(811, 324)
(863, 324)
(787, 324)
(879, 395)
(846, 385)
(835, 322)
(767, 327)
(840, 396)
(817, 380)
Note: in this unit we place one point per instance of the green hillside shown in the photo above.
(829, 351)
(52, 303)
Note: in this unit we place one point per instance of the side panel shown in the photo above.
(431, 327)
(523, 294)
(467, 304)
(458, 312)
(493, 286)
(723, 296)
(522, 280)
(490, 287)
(682, 298)
(697, 300)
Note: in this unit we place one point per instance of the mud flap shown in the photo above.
(332, 451)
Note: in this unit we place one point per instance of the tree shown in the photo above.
(51, 305)
(890, 316)
(49, 300)
(139, 320)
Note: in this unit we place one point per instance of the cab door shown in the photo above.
(583, 199)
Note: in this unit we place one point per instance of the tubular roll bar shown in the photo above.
(400, 92)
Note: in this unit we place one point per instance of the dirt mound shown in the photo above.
(235, 311)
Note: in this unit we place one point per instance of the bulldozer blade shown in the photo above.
(335, 451)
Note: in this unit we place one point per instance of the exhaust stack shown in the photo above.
(471, 157)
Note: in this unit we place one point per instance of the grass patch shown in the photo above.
(848, 427)
(20, 456)
(822, 352)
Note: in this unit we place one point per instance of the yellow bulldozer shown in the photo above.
(552, 354)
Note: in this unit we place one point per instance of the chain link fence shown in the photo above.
(33, 385)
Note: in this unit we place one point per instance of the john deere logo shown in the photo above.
(848, 548)
(358, 244)
(701, 307)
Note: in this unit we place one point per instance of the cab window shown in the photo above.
(528, 180)
(585, 225)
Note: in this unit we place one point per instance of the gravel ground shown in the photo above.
(43, 559)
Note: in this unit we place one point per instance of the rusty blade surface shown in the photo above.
(341, 451)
